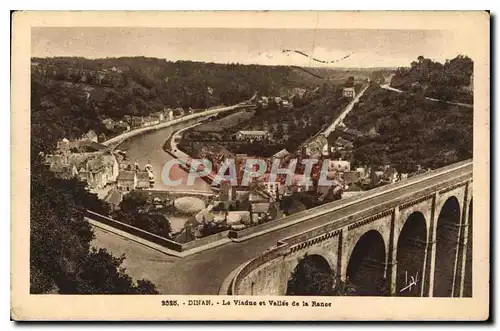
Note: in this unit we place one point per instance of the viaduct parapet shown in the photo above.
(411, 238)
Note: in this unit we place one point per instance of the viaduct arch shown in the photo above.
(366, 267)
(411, 250)
(313, 275)
(447, 235)
(408, 245)
(467, 286)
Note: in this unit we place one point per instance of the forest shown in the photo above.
(450, 81)
(72, 95)
(407, 130)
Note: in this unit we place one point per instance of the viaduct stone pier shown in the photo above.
(412, 238)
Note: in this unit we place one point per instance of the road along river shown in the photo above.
(145, 146)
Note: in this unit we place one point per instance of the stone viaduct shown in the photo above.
(411, 238)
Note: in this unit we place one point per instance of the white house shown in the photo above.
(150, 120)
(339, 165)
(251, 135)
(159, 116)
(349, 92)
(127, 180)
(96, 169)
(170, 114)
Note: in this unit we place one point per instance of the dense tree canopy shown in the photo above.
(405, 130)
(61, 259)
(448, 82)
(72, 95)
(312, 278)
(134, 210)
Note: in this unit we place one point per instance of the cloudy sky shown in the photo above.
(369, 48)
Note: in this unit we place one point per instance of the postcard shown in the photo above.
(245, 165)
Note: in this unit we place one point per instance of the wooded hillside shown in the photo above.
(71, 95)
(451, 81)
(405, 130)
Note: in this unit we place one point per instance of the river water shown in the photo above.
(147, 148)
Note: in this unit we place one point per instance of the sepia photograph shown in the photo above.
(205, 166)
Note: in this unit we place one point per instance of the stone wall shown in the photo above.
(269, 275)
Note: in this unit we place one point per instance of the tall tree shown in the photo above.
(61, 259)
(309, 278)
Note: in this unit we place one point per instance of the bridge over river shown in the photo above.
(380, 239)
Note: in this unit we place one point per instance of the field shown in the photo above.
(225, 123)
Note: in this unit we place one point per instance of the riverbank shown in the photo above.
(115, 141)
(171, 147)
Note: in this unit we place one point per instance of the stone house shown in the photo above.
(259, 211)
(315, 147)
(108, 123)
(98, 170)
(348, 92)
(158, 116)
(123, 126)
(351, 177)
(136, 121)
(274, 189)
(150, 120)
(143, 180)
(91, 135)
(339, 165)
(127, 180)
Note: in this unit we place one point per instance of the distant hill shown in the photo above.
(338, 75)
(71, 95)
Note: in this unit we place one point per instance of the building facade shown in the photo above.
(349, 92)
